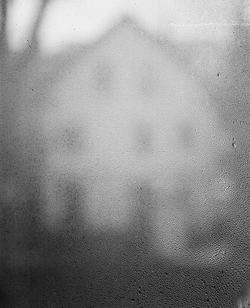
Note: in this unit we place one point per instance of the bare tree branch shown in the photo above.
(33, 46)
(37, 24)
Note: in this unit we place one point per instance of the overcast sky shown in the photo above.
(84, 20)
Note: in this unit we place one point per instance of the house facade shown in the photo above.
(126, 117)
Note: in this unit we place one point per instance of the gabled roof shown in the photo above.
(126, 21)
(50, 69)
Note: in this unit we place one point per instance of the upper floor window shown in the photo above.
(70, 139)
(187, 136)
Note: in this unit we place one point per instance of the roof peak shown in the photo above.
(127, 19)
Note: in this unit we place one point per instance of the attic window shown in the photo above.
(148, 80)
(103, 77)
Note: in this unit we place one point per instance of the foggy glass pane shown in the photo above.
(124, 175)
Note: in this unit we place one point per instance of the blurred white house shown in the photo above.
(119, 114)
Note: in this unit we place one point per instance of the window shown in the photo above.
(103, 77)
(70, 139)
(148, 80)
(187, 136)
(144, 139)
(72, 199)
(72, 196)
